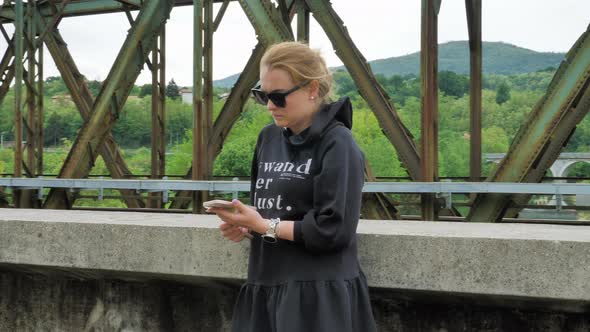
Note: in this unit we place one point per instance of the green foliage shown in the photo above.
(145, 90)
(172, 90)
(452, 84)
(503, 93)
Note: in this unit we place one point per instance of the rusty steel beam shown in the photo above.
(83, 99)
(547, 129)
(113, 94)
(377, 206)
(6, 69)
(27, 197)
(196, 171)
(18, 118)
(207, 84)
(158, 123)
(473, 8)
(39, 109)
(429, 98)
(205, 107)
(369, 88)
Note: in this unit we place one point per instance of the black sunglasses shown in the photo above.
(277, 98)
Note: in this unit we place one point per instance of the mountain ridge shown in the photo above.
(498, 58)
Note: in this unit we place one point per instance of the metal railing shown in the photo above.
(166, 185)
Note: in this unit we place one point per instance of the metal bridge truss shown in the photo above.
(537, 144)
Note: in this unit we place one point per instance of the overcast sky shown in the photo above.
(379, 28)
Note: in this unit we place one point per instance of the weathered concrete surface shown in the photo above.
(73, 268)
(43, 303)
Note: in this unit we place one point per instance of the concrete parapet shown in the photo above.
(513, 264)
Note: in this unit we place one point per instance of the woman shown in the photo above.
(307, 178)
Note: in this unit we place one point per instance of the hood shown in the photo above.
(329, 115)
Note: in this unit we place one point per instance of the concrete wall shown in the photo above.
(88, 271)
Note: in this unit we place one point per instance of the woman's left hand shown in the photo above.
(242, 216)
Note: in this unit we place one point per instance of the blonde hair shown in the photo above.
(301, 63)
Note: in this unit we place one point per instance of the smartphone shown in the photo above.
(218, 203)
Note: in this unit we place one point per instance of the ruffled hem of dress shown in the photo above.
(293, 306)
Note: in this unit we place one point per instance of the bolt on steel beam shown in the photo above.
(158, 123)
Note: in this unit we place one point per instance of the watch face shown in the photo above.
(268, 238)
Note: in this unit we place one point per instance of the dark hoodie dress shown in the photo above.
(313, 283)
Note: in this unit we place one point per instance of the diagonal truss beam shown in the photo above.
(6, 70)
(369, 88)
(547, 129)
(267, 21)
(113, 94)
(83, 99)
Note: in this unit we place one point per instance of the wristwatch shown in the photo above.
(271, 232)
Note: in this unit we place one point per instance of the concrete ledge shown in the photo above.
(548, 264)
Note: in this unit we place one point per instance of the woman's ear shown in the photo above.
(314, 89)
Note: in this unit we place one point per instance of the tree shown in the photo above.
(452, 84)
(172, 90)
(146, 89)
(503, 93)
(54, 129)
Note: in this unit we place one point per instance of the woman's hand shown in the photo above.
(233, 233)
(241, 216)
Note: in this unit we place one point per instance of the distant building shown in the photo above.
(62, 99)
(186, 94)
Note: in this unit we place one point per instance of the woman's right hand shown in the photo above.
(233, 233)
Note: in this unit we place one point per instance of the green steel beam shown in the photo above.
(547, 128)
(369, 88)
(6, 70)
(88, 7)
(302, 21)
(563, 133)
(267, 21)
(113, 94)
